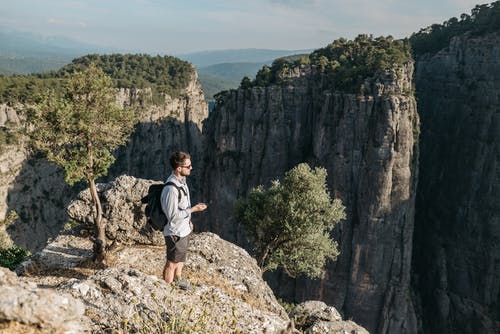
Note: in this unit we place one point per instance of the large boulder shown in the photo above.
(25, 308)
(123, 210)
(315, 317)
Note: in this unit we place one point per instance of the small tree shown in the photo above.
(78, 132)
(290, 223)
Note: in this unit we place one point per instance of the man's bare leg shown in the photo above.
(178, 270)
(169, 271)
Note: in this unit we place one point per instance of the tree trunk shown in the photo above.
(100, 226)
(100, 237)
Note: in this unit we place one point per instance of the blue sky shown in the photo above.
(180, 26)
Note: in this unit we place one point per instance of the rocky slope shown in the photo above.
(130, 296)
(36, 190)
(367, 143)
(457, 230)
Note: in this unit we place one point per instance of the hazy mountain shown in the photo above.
(207, 58)
(224, 76)
(233, 71)
(212, 85)
(219, 77)
(25, 52)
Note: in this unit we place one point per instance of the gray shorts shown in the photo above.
(177, 248)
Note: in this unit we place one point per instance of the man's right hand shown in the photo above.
(199, 207)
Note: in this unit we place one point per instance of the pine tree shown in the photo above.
(79, 130)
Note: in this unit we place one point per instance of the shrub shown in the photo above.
(12, 257)
(290, 223)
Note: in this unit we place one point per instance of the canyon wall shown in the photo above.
(367, 143)
(36, 190)
(457, 228)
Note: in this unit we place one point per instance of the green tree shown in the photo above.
(246, 82)
(78, 132)
(290, 222)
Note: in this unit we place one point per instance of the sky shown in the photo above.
(183, 26)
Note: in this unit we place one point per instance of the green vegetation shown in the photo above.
(290, 223)
(8, 136)
(33, 63)
(288, 306)
(483, 19)
(10, 255)
(212, 85)
(78, 131)
(26, 89)
(349, 63)
(346, 63)
(13, 256)
(231, 71)
(162, 74)
(278, 70)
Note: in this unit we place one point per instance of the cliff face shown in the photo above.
(33, 188)
(163, 129)
(366, 143)
(457, 232)
(36, 190)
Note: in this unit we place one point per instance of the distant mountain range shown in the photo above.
(26, 53)
(223, 69)
(224, 76)
(207, 58)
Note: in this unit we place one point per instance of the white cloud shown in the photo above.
(56, 21)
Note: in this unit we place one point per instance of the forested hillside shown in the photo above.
(163, 74)
(347, 63)
(482, 20)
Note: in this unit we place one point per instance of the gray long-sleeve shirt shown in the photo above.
(178, 213)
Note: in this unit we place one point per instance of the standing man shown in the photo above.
(176, 204)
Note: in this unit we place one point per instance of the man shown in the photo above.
(178, 211)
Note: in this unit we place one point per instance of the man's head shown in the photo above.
(181, 163)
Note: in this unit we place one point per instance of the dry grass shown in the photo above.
(217, 280)
(14, 327)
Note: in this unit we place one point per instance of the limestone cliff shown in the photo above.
(457, 232)
(177, 124)
(36, 190)
(367, 143)
(33, 188)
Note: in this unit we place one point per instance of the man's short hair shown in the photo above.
(178, 158)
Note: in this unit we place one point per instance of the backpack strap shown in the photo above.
(179, 189)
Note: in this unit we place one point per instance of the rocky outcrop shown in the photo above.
(36, 189)
(457, 231)
(25, 308)
(125, 220)
(229, 293)
(126, 225)
(367, 143)
(130, 295)
(315, 317)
